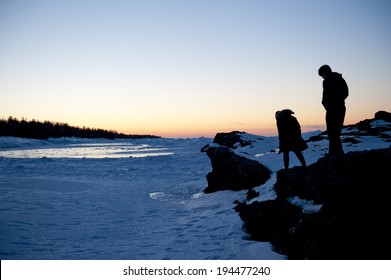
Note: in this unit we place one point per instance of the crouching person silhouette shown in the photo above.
(289, 134)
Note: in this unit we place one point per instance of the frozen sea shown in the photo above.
(116, 199)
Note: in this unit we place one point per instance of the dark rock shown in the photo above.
(251, 194)
(319, 137)
(383, 115)
(350, 140)
(233, 172)
(230, 139)
(366, 127)
(353, 222)
(266, 220)
(352, 189)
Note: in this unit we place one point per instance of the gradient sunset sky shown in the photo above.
(187, 68)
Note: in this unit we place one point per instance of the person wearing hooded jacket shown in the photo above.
(335, 91)
(289, 134)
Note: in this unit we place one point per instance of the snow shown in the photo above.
(132, 199)
(118, 202)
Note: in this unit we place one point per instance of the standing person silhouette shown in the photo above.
(289, 134)
(335, 91)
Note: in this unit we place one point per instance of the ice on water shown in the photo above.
(118, 149)
(140, 199)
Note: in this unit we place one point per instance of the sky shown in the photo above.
(186, 68)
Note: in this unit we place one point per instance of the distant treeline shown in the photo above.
(44, 130)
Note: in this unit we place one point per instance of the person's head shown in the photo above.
(284, 113)
(324, 71)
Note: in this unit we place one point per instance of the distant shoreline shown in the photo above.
(43, 130)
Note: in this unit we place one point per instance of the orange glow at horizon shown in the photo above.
(194, 129)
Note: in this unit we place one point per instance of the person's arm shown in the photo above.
(326, 94)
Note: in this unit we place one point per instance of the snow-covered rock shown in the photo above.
(336, 208)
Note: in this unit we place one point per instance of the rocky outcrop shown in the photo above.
(352, 193)
(352, 133)
(383, 115)
(231, 139)
(353, 222)
(233, 172)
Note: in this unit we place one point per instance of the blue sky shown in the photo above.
(190, 68)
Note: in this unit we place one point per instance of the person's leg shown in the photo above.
(301, 158)
(339, 125)
(334, 126)
(335, 146)
(286, 159)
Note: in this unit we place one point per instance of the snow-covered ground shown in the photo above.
(101, 199)
(130, 199)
